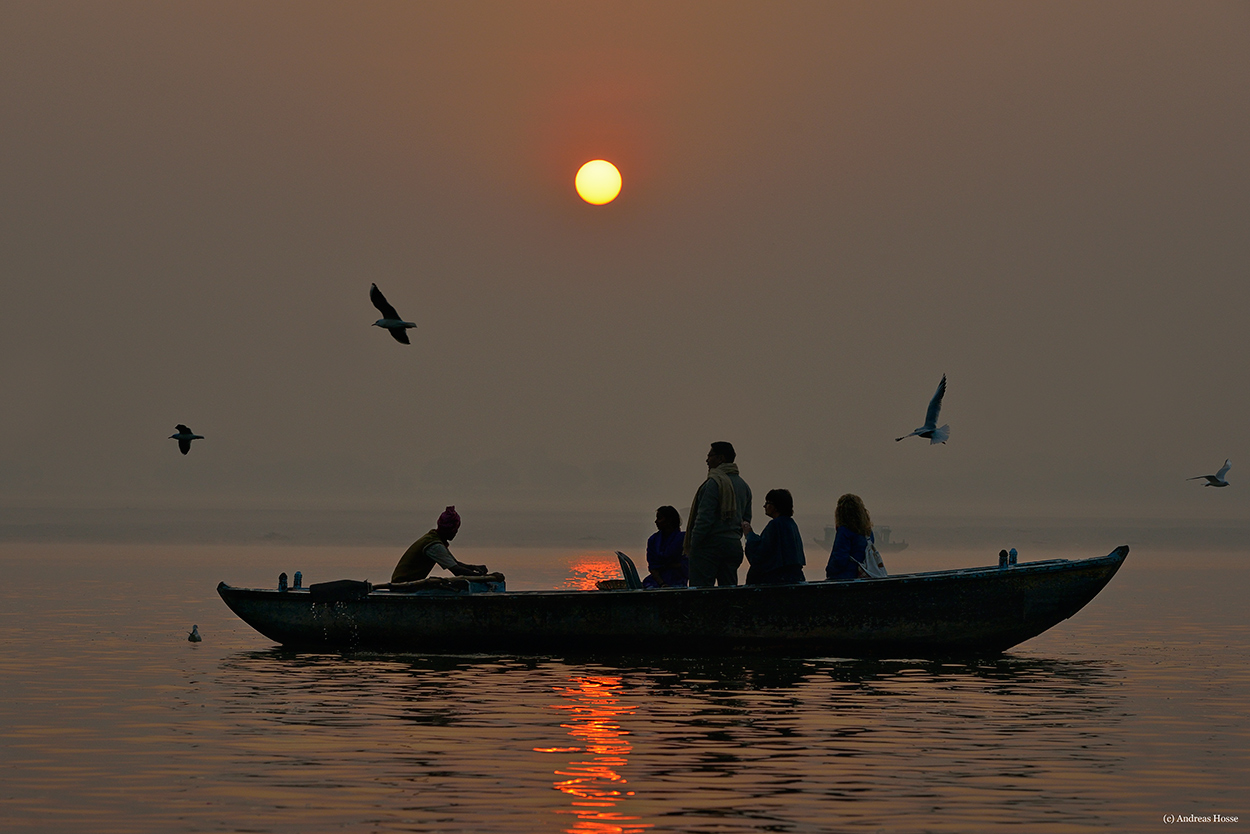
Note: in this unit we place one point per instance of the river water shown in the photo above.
(111, 721)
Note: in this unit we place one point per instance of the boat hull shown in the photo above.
(942, 613)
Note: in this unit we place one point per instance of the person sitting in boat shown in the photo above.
(431, 549)
(670, 568)
(714, 528)
(775, 555)
(850, 541)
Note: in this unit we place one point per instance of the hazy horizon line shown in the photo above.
(608, 530)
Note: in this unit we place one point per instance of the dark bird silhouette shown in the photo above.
(930, 429)
(184, 438)
(194, 635)
(396, 326)
(1218, 479)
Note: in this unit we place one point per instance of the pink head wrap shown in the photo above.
(449, 520)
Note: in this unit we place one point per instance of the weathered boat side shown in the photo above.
(969, 611)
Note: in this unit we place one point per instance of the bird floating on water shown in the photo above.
(930, 429)
(194, 635)
(184, 438)
(396, 326)
(1218, 479)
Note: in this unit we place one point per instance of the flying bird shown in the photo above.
(194, 635)
(1216, 480)
(184, 438)
(930, 429)
(390, 319)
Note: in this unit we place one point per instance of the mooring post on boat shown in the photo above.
(282, 581)
(299, 581)
(1011, 556)
(1002, 558)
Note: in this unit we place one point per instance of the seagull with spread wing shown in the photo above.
(1218, 479)
(184, 438)
(396, 326)
(930, 429)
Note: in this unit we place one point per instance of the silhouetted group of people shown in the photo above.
(717, 537)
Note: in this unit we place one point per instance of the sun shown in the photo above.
(598, 182)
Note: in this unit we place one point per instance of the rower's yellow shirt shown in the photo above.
(416, 562)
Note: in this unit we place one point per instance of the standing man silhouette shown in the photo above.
(714, 528)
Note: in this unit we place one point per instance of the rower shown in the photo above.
(431, 549)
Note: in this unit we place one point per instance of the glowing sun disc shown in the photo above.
(598, 182)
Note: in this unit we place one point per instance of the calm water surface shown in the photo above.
(110, 721)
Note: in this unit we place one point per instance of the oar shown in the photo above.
(631, 573)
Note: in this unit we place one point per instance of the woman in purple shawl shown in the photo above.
(668, 566)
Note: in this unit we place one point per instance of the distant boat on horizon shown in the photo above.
(880, 535)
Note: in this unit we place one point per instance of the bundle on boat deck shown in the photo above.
(339, 589)
(491, 581)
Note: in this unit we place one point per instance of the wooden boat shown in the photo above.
(971, 611)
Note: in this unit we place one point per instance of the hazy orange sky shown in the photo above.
(826, 207)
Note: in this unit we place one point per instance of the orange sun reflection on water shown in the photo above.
(589, 568)
(594, 782)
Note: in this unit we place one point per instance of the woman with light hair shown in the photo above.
(851, 540)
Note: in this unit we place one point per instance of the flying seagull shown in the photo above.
(390, 319)
(930, 429)
(1216, 480)
(194, 635)
(184, 438)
